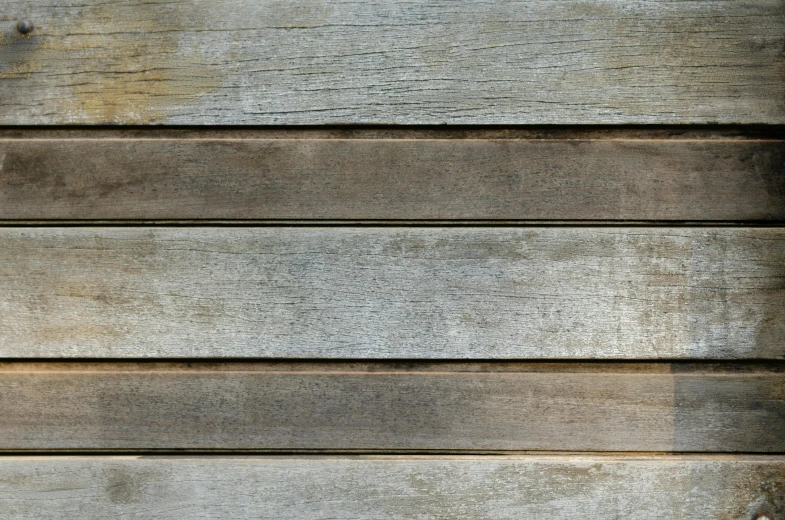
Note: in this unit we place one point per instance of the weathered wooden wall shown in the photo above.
(479, 259)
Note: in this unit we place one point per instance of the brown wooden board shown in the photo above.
(392, 179)
(391, 407)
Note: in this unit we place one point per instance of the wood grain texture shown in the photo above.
(390, 407)
(340, 61)
(353, 292)
(408, 179)
(591, 487)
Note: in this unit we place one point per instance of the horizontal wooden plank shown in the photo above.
(400, 132)
(371, 179)
(473, 62)
(591, 487)
(426, 293)
(390, 407)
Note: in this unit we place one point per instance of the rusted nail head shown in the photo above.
(24, 26)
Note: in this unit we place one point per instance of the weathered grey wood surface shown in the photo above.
(591, 487)
(367, 179)
(353, 292)
(391, 407)
(477, 62)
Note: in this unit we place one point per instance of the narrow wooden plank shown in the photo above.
(425, 293)
(367, 179)
(473, 62)
(390, 407)
(591, 487)
(433, 132)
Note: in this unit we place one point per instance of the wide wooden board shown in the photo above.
(392, 179)
(245, 62)
(354, 292)
(387, 407)
(498, 488)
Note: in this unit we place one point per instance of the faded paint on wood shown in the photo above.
(591, 487)
(371, 179)
(418, 293)
(390, 407)
(475, 62)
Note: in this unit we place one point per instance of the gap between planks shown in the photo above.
(251, 223)
(692, 132)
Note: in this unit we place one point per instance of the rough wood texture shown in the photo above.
(390, 407)
(347, 292)
(341, 61)
(590, 487)
(367, 179)
(487, 132)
